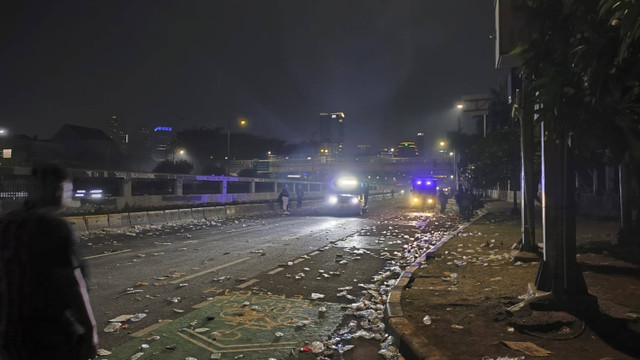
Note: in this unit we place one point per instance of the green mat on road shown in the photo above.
(236, 324)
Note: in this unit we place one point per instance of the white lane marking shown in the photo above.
(207, 271)
(250, 282)
(299, 260)
(314, 253)
(277, 270)
(106, 254)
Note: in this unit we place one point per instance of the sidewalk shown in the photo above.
(466, 286)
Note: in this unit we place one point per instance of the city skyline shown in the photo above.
(394, 69)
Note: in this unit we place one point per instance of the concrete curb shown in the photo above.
(411, 345)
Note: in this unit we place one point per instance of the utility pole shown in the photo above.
(527, 182)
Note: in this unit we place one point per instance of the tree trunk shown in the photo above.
(559, 272)
(626, 220)
(527, 181)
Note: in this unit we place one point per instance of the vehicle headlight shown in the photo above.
(354, 200)
(333, 200)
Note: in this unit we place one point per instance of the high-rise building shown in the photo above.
(407, 149)
(420, 143)
(116, 131)
(161, 143)
(332, 133)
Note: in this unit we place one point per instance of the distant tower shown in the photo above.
(332, 133)
(420, 144)
(116, 131)
(161, 143)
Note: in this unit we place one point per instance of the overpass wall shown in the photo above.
(128, 220)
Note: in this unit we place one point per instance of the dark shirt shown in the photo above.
(37, 260)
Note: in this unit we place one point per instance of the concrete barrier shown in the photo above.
(185, 215)
(96, 222)
(77, 224)
(197, 213)
(121, 220)
(156, 217)
(173, 216)
(139, 218)
(249, 209)
(214, 213)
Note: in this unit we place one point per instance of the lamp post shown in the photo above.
(460, 107)
(241, 122)
(180, 151)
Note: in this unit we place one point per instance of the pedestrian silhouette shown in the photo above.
(300, 195)
(443, 199)
(44, 303)
(284, 195)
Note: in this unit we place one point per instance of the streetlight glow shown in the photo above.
(459, 106)
(442, 143)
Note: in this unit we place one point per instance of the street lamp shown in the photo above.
(179, 151)
(241, 122)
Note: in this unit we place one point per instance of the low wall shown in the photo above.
(119, 221)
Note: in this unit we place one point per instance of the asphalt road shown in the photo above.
(164, 272)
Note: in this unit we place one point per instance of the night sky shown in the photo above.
(393, 67)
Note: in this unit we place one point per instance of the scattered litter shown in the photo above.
(113, 327)
(317, 296)
(201, 330)
(528, 348)
(153, 338)
(317, 347)
(216, 356)
(426, 320)
(190, 358)
(178, 310)
(121, 318)
(144, 346)
(103, 352)
(456, 326)
(279, 334)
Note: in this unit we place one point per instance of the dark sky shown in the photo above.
(393, 67)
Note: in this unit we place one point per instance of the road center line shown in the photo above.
(148, 329)
(245, 284)
(314, 253)
(274, 271)
(207, 271)
(106, 254)
(298, 260)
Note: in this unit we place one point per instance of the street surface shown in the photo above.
(250, 288)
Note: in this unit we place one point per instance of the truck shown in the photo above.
(424, 192)
(347, 195)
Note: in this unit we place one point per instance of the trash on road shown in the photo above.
(316, 296)
(526, 347)
(426, 320)
(103, 352)
(114, 326)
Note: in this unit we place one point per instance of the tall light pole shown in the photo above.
(241, 122)
(181, 151)
(460, 107)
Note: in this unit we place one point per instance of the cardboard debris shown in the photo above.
(528, 348)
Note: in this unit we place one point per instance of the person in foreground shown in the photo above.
(44, 304)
